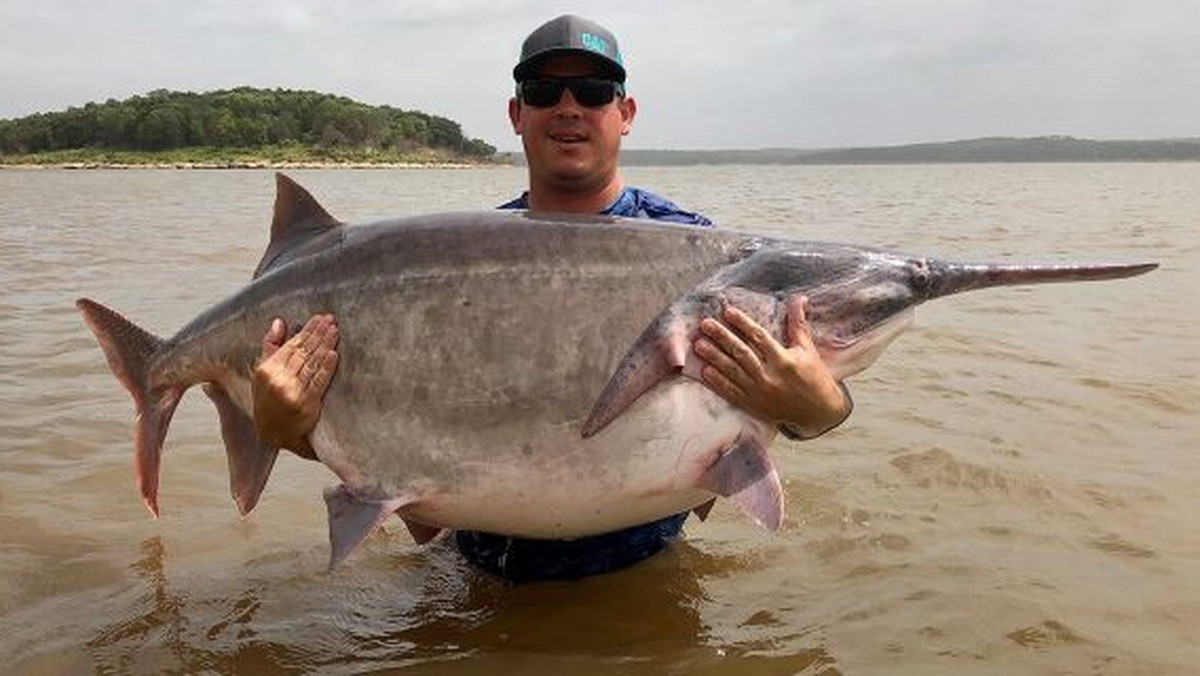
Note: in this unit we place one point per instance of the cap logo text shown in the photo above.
(594, 43)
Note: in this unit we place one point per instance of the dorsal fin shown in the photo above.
(296, 210)
(298, 220)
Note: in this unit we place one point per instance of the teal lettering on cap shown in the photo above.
(594, 42)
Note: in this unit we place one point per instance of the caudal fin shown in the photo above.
(129, 351)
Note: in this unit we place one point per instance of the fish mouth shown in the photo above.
(847, 351)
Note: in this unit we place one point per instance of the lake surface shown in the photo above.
(1016, 492)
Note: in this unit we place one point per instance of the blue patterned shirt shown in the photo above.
(635, 203)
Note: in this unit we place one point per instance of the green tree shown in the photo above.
(241, 117)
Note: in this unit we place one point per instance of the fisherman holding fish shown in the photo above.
(489, 415)
(571, 110)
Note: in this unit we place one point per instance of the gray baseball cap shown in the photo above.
(570, 34)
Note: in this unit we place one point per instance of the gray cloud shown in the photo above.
(707, 73)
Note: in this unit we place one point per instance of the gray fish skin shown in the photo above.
(524, 374)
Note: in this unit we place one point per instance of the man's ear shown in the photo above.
(514, 115)
(628, 108)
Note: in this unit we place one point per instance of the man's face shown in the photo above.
(569, 146)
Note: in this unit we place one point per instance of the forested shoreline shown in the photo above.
(250, 127)
(236, 125)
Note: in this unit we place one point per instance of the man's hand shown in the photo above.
(290, 381)
(753, 371)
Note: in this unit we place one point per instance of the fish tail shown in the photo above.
(130, 351)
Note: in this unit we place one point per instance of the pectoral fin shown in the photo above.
(660, 352)
(665, 348)
(250, 458)
(744, 474)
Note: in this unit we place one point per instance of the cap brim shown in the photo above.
(529, 66)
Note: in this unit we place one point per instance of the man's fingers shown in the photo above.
(732, 345)
(323, 374)
(308, 368)
(323, 360)
(307, 341)
(296, 356)
(316, 350)
(723, 363)
(754, 333)
(314, 333)
(724, 387)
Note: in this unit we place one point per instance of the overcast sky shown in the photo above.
(706, 73)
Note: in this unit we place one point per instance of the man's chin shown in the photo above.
(570, 152)
(570, 172)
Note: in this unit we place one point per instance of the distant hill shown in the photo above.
(237, 118)
(994, 149)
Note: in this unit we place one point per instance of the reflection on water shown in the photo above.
(1015, 492)
(428, 608)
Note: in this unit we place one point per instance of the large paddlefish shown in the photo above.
(521, 373)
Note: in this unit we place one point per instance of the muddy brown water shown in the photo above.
(1016, 491)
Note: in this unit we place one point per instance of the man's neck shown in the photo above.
(583, 202)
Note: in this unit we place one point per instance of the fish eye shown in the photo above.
(921, 274)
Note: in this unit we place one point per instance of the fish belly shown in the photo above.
(540, 479)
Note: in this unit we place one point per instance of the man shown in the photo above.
(571, 110)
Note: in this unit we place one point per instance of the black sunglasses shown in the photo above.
(591, 92)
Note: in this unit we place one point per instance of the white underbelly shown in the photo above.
(548, 482)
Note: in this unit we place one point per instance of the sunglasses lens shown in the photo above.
(589, 92)
(592, 93)
(541, 93)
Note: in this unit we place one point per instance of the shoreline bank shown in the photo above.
(251, 165)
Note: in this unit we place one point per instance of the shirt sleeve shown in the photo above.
(797, 434)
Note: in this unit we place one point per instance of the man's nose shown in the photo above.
(567, 106)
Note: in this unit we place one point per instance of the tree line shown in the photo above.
(242, 117)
